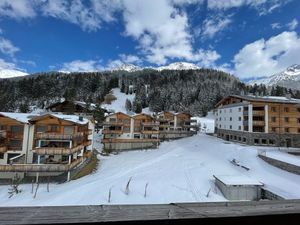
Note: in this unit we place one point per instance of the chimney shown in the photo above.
(80, 118)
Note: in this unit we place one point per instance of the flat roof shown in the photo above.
(237, 180)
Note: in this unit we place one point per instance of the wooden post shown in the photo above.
(68, 179)
(37, 174)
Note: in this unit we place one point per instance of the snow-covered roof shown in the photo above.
(71, 118)
(21, 117)
(237, 180)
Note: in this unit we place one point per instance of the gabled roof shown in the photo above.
(80, 103)
(118, 113)
(70, 118)
(20, 117)
(273, 99)
(143, 114)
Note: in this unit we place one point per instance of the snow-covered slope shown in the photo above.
(289, 78)
(179, 66)
(179, 171)
(9, 73)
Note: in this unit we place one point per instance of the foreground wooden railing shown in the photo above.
(112, 131)
(242, 212)
(40, 167)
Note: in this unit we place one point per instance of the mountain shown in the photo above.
(179, 66)
(127, 67)
(289, 78)
(172, 66)
(10, 73)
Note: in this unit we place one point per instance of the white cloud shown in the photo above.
(267, 57)
(81, 66)
(262, 6)
(17, 8)
(293, 24)
(7, 48)
(211, 26)
(7, 65)
(131, 59)
(276, 26)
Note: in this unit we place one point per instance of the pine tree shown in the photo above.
(128, 105)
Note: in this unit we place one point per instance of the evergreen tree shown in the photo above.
(128, 105)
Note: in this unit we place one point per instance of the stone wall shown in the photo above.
(109, 147)
(261, 139)
(281, 165)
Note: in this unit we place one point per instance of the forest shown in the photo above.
(194, 91)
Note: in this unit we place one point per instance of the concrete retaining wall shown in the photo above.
(281, 165)
(109, 147)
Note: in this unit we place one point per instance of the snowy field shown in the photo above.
(179, 171)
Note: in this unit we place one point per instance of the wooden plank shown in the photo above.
(114, 213)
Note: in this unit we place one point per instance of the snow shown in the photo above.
(179, 66)
(207, 124)
(284, 157)
(179, 171)
(21, 117)
(71, 118)
(10, 73)
(118, 105)
(237, 180)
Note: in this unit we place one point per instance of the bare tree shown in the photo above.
(37, 187)
(14, 188)
(109, 195)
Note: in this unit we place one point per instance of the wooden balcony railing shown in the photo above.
(89, 132)
(132, 140)
(40, 167)
(58, 151)
(150, 124)
(150, 132)
(57, 136)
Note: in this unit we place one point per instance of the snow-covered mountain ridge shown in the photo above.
(10, 73)
(289, 78)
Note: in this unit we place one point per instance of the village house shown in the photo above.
(48, 145)
(71, 107)
(257, 120)
(174, 125)
(124, 132)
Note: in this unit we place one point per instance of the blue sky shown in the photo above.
(245, 37)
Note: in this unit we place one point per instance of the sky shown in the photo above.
(247, 38)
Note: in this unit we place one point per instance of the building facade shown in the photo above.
(257, 120)
(43, 145)
(125, 132)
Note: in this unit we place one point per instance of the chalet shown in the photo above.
(47, 145)
(175, 125)
(259, 120)
(15, 141)
(124, 132)
(71, 107)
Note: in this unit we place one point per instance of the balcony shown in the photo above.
(132, 140)
(40, 167)
(150, 124)
(3, 133)
(113, 123)
(150, 132)
(112, 131)
(57, 151)
(58, 136)
(255, 113)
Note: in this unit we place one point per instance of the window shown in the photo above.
(298, 120)
(286, 119)
(244, 139)
(220, 126)
(273, 119)
(273, 129)
(230, 118)
(271, 142)
(240, 127)
(17, 129)
(286, 109)
(240, 109)
(220, 118)
(1, 155)
(112, 119)
(298, 109)
(298, 130)
(287, 130)
(41, 128)
(264, 141)
(230, 127)
(54, 128)
(126, 121)
(137, 136)
(126, 129)
(240, 118)
(68, 129)
(256, 141)
(240, 139)
(220, 110)
(137, 129)
(273, 109)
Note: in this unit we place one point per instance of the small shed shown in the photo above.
(238, 187)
